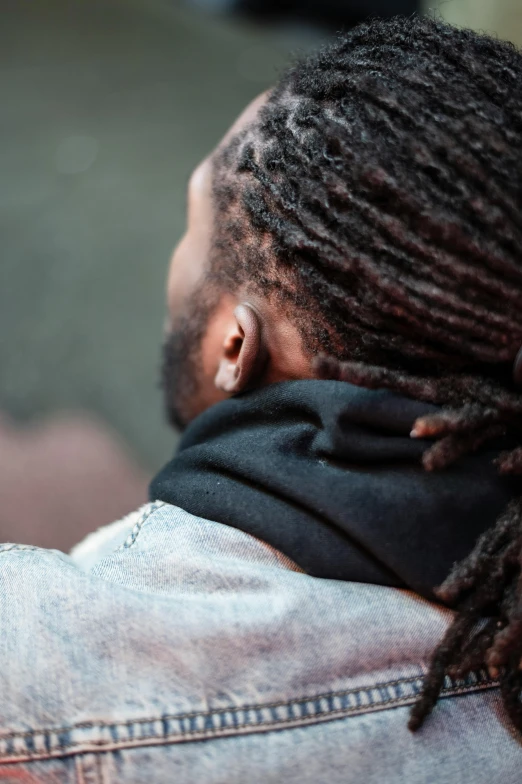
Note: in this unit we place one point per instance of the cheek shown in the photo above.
(185, 274)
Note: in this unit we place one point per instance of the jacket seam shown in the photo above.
(365, 702)
(133, 535)
(10, 546)
(217, 711)
(149, 510)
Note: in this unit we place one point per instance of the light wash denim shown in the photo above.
(167, 648)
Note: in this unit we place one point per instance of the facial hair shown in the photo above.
(181, 370)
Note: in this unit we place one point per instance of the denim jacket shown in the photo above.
(168, 648)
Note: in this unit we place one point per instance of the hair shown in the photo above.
(378, 198)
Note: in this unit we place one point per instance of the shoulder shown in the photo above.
(108, 538)
(188, 629)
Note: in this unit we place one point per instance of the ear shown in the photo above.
(244, 353)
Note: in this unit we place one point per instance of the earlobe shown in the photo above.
(244, 353)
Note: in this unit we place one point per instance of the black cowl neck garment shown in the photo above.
(327, 473)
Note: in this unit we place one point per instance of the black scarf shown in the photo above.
(328, 474)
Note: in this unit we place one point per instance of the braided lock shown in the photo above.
(378, 199)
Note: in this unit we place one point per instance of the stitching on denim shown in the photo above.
(396, 701)
(216, 711)
(150, 508)
(482, 682)
(9, 546)
(217, 731)
(147, 512)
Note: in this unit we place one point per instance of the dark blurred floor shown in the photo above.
(106, 107)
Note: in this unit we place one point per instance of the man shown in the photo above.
(343, 352)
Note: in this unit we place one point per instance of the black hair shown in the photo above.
(378, 197)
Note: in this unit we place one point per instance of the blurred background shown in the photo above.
(107, 105)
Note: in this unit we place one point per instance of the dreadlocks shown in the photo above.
(378, 196)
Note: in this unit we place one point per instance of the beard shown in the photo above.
(179, 371)
(182, 378)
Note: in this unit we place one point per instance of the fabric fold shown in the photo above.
(327, 473)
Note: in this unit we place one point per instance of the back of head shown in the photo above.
(384, 178)
(378, 199)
